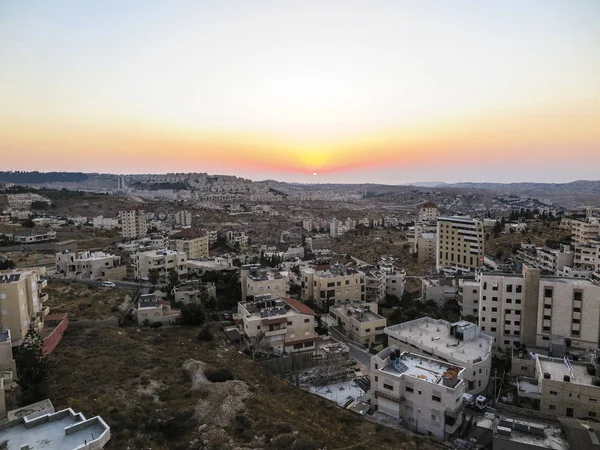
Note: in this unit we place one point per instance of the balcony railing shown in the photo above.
(455, 412)
(387, 396)
(275, 332)
(43, 298)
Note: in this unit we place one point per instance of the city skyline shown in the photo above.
(356, 93)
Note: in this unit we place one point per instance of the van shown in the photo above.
(109, 284)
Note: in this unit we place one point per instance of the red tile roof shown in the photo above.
(300, 307)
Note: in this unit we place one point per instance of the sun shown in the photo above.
(315, 174)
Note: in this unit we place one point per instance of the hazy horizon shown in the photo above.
(393, 92)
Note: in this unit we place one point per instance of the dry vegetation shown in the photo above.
(83, 302)
(136, 381)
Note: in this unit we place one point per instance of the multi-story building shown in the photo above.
(360, 322)
(257, 281)
(587, 255)
(89, 265)
(567, 388)
(439, 290)
(331, 285)
(192, 242)
(460, 244)
(22, 303)
(8, 369)
(237, 239)
(376, 286)
(183, 218)
(460, 343)
(468, 297)
(26, 199)
(427, 394)
(152, 310)
(583, 231)
(428, 212)
(426, 248)
(213, 236)
(161, 260)
(530, 309)
(550, 261)
(133, 223)
(278, 325)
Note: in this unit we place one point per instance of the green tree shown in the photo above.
(192, 314)
(153, 277)
(173, 279)
(33, 368)
(7, 264)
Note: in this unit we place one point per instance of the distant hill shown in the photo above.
(42, 177)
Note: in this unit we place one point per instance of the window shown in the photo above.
(433, 417)
(517, 313)
(495, 287)
(367, 330)
(545, 338)
(436, 398)
(591, 414)
(518, 301)
(593, 399)
(494, 320)
(552, 407)
(575, 332)
(507, 322)
(553, 393)
(506, 331)
(306, 320)
(494, 299)
(548, 292)
(389, 387)
(474, 291)
(494, 309)
(577, 296)
(577, 310)
(517, 323)
(509, 288)
(509, 300)
(518, 289)
(289, 323)
(485, 285)
(546, 329)
(347, 282)
(483, 308)
(331, 284)
(508, 311)
(482, 328)
(506, 342)
(339, 283)
(484, 298)
(258, 327)
(409, 389)
(576, 321)
(483, 319)
(376, 378)
(493, 329)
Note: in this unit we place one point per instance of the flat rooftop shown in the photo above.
(423, 368)
(357, 311)
(558, 369)
(433, 335)
(51, 435)
(552, 437)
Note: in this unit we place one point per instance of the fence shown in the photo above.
(290, 363)
(525, 412)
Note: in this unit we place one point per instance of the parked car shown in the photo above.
(108, 284)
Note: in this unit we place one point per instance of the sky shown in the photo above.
(313, 91)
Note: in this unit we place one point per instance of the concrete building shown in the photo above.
(426, 248)
(50, 430)
(460, 245)
(190, 291)
(26, 199)
(89, 265)
(428, 212)
(468, 297)
(22, 303)
(192, 242)
(530, 309)
(213, 236)
(511, 434)
(549, 261)
(257, 281)
(460, 343)
(439, 290)
(278, 325)
(183, 218)
(133, 223)
(237, 239)
(583, 231)
(105, 223)
(331, 285)
(8, 370)
(587, 256)
(35, 237)
(161, 260)
(427, 394)
(151, 310)
(376, 286)
(360, 322)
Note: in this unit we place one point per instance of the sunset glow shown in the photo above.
(389, 92)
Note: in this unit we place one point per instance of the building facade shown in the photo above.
(332, 285)
(192, 242)
(258, 281)
(161, 260)
(460, 244)
(89, 265)
(183, 218)
(133, 223)
(360, 322)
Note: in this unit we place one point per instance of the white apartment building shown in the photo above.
(439, 290)
(587, 256)
(183, 218)
(105, 223)
(238, 239)
(461, 343)
(192, 242)
(468, 297)
(551, 261)
(279, 325)
(394, 282)
(526, 308)
(428, 212)
(161, 260)
(426, 247)
(360, 322)
(257, 281)
(212, 235)
(376, 286)
(88, 265)
(567, 388)
(133, 223)
(22, 302)
(427, 394)
(26, 199)
(331, 285)
(583, 231)
(460, 244)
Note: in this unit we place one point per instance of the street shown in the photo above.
(118, 284)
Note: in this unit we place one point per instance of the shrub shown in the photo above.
(156, 325)
(218, 375)
(205, 335)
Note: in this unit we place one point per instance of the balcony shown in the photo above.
(387, 396)
(276, 332)
(43, 298)
(44, 312)
(456, 411)
(42, 284)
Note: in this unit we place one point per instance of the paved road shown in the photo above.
(357, 352)
(118, 284)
